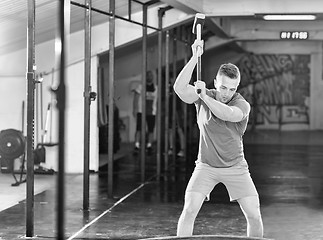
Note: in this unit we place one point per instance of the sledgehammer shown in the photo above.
(197, 28)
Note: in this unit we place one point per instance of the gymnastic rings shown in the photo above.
(12, 144)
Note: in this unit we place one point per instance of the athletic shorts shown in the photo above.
(236, 179)
(150, 120)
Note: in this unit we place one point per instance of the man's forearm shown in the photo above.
(220, 110)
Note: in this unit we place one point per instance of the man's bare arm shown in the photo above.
(183, 89)
(223, 111)
(182, 86)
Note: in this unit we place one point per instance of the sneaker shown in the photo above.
(180, 153)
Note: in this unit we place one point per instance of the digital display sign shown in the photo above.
(294, 35)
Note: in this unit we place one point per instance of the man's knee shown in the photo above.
(189, 212)
(191, 209)
(253, 213)
(193, 203)
(254, 216)
(251, 207)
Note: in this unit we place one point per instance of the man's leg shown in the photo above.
(150, 120)
(137, 138)
(251, 209)
(138, 131)
(150, 139)
(192, 205)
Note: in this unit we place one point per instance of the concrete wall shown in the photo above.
(314, 48)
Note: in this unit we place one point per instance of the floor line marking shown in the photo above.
(106, 211)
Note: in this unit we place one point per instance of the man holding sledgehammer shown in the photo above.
(222, 118)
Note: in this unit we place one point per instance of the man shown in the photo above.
(151, 107)
(222, 117)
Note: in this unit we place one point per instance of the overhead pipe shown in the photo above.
(114, 15)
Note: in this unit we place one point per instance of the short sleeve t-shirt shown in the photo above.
(221, 141)
(151, 99)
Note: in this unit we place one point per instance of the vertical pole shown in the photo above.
(129, 9)
(189, 111)
(87, 101)
(143, 93)
(63, 29)
(184, 33)
(166, 99)
(51, 108)
(36, 107)
(254, 96)
(175, 33)
(159, 84)
(23, 118)
(41, 110)
(30, 118)
(111, 95)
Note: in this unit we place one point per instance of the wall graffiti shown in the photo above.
(277, 86)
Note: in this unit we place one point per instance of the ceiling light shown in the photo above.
(289, 17)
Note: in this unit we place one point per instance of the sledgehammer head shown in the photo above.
(199, 19)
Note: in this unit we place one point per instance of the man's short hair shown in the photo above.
(230, 70)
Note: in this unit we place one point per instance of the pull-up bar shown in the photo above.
(116, 16)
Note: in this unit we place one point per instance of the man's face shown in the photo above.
(225, 87)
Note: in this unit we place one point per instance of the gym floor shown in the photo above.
(287, 168)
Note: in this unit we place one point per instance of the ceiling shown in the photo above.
(13, 15)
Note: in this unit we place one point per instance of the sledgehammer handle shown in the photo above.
(199, 50)
(197, 28)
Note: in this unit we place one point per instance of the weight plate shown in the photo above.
(12, 143)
